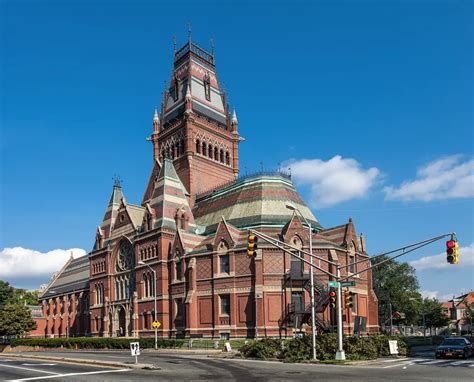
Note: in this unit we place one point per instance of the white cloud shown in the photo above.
(19, 262)
(445, 178)
(466, 259)
(429, 293)
(334, 181)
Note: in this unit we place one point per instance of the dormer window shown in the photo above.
(207, 86)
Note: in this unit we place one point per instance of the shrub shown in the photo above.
(300, 349)
(262, 349)
(94, 343)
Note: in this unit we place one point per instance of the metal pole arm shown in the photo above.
(425, 243)
(277, 244)
(271, 240)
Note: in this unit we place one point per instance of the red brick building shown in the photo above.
(191, 228)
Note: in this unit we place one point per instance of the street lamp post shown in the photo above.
(154, 295)
(311, 277)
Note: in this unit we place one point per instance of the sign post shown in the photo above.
(135, 350)
(156, 324)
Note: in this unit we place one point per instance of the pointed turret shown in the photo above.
(156, 121)
(234, 123)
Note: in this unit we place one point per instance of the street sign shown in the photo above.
(333, 284)
(156, 324)
(135, 350)
(345, 284)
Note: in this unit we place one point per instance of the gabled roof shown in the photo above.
(111, 210)
(151, 181)
(73, 277)
(189, 241)
(169, 199)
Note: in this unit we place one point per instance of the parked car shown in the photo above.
(455, 347)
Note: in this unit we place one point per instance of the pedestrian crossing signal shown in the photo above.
(252, 245)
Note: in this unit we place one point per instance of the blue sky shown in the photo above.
(369, 102)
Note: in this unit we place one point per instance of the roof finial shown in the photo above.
(190, 31)
(212, 47)
(234, 117)
(155, 116)
(117, 180)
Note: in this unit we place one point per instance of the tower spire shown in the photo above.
(156, 121)
(234, 123)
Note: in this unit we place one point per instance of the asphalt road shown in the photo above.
(200, 367)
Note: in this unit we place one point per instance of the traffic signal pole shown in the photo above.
(340, 355)
(288, 248)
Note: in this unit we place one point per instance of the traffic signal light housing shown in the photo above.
(332, 299)
(252, 245)
(456, 252)
(452, 251)
(348, 299)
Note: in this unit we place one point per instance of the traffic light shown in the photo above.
(451, 251)
(348, 299)
(456, 252)
(332, 299)
(252, 245)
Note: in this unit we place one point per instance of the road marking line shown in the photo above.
(29, 369)
(434, 362)
(398, 364)
(392, 360)
(39, 364)
(70, 375)
(457, 363)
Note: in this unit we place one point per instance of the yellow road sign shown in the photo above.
(156, 324)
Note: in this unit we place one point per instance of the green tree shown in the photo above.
(6, 293)
(25, 297)
(469, 314)
(15, 319)
(434, 315)
(396, 284)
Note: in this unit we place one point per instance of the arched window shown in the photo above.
(181, 147)
(221, 156)
(210, 151)
(296, 263)
(198, 146)
(204, 149)
(227, 158)
(216, 153)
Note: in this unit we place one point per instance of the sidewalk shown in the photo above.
(93, 362)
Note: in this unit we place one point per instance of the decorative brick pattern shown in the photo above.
(203, 267)
(273, 263)
(242, 264)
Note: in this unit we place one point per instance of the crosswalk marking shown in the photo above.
(434, 362)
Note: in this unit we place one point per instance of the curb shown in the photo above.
(87, 361)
